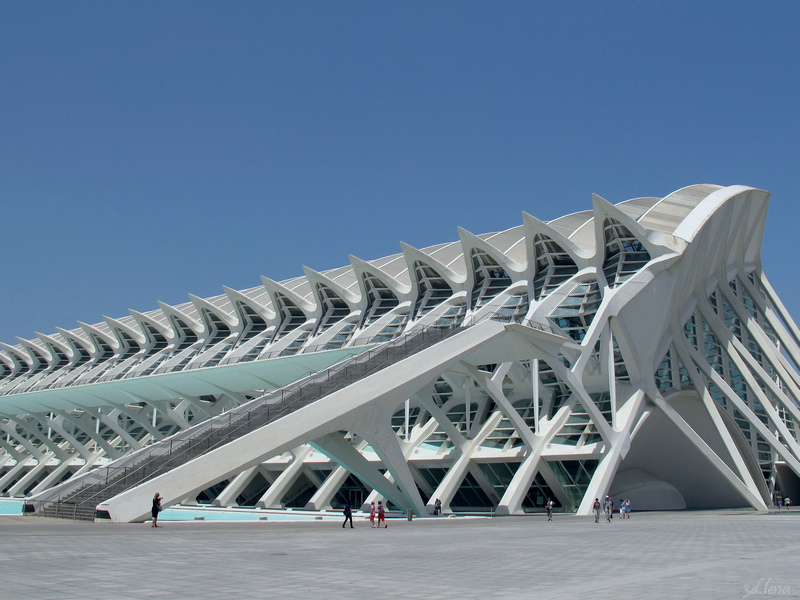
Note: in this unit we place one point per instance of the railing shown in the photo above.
(160, 457)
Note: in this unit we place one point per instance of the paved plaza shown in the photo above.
(713, 554)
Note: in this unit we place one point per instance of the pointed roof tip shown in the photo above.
(356, 261)
(529, 218)
(275, 286)
(467, 235)
(168, 308)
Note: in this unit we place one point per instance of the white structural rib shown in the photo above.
(635, 350)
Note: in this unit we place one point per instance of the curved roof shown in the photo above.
(659, 214)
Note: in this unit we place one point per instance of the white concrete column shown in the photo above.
(753, 497)
(614, 453)
(338, 449)
(511, 502)
(455, 475)
(535, 386)
(325, 493)
(612, 375)
(273, 496)
(228, 496)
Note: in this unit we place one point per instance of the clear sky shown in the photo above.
(151, 149)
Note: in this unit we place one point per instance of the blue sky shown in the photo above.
(151, 149)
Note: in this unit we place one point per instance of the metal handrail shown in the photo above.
(240, 420)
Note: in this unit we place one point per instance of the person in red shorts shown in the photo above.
(381, 515)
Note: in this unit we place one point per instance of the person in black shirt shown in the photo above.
(156, 508)
(348, 515)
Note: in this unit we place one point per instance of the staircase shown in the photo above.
(77, 499)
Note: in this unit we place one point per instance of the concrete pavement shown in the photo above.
(698, 555)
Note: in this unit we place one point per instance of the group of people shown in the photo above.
(608, 507)
(379, 511)
(787, 502)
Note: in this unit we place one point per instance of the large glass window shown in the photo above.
(490, 278)
(252, 322)
(291, 316)
(380, 299)
(553, 266)
(470, 496)
(295, 345)
(538, 494)
(452, 317)
(218, 330)
(341, 337)
(625, 254)
(334, 309)
(433, 289)
(575, 476)
(392, 330)
(663, 374)
(577, 310)
(186, 335)
(513, 310)
(157, 340)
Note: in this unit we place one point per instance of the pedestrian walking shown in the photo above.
(621, 509)
(788, 503)
(549, 506)
(437, 507)
(156, 509)
(609, 508)
(627, 508)
(372, 515)
(596, 510)
(348, 514)
(381, 515)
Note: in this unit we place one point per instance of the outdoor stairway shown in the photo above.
(78, 499)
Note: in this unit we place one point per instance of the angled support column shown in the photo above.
(332, 484)
(228, 496)
(614, 453)
(511, 502)
(343, 453)
(789, 450)
(714, 413)
(18, 489)
(273, 496)
(325, 493)
(455, 475)
(86, 423)
(754, 499)
(55, 476)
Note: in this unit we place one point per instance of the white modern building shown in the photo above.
(634, 349)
